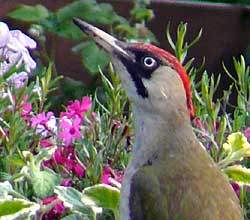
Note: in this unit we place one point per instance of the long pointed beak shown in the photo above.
(106, 41)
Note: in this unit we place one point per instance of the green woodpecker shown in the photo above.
(170, 175)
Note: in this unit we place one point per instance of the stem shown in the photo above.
(242, 195)
(116, 214)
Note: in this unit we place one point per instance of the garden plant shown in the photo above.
(68, 163)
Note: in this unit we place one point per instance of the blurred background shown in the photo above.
(225, 33)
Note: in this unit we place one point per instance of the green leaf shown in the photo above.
(126, 29)
(90, 11)
(93, 57)
(142, 14)
(69, 195)
(73, 200)
(102, 13)
(104, 196)
(6, 191)
(235, 141)
(4, 176)
(30, 13)
(238, 174)
(5, 188)
(75, 216)
(17, 209)
(75, 9)
(44, 154)
(170, 41)
(15, 160)
(68, 30)
(44, 182)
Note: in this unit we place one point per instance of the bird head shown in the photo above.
(153, 78)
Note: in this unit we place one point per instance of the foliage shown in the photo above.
(43, 20)
(69, 164)
(38, 160)
(91, 201)
(17, 208)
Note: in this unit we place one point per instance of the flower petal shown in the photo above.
(4, 34)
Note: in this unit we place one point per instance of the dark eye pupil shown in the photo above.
(149, 61)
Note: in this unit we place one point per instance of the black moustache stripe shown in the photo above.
(134, 71)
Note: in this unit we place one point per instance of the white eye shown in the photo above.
(149, 62)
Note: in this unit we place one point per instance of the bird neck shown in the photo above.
(159, 133)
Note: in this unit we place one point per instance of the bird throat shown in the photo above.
(154, 131)
(155, 139)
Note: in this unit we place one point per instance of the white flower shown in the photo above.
(37, 89)
(50, 127)
(4, 67)
(52, 124)
(18, 80)
(25, 40)
(14, 47)
(3, 94)
(4, 34)
(18, 54)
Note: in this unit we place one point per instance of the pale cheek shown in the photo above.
(157, 91)
(126, 80)
(164, 93)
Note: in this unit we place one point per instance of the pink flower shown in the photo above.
(56, 211)
(247, 133)
(77, 108)
(95, 117)
(45, 143)
(70, 152)
(66, 182)
(41, 119)
(198, 123)
(49, 199)
(106, 174)
(79, 170)
(44, 123)
(111, 177)
(25, 108)
(69, 164)
(65, 157)
(49, 163)
(58, 156)
(69, 130)
(236, 188)
(117, 123)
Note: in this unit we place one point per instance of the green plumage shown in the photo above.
(191, 188)
(145, 191)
